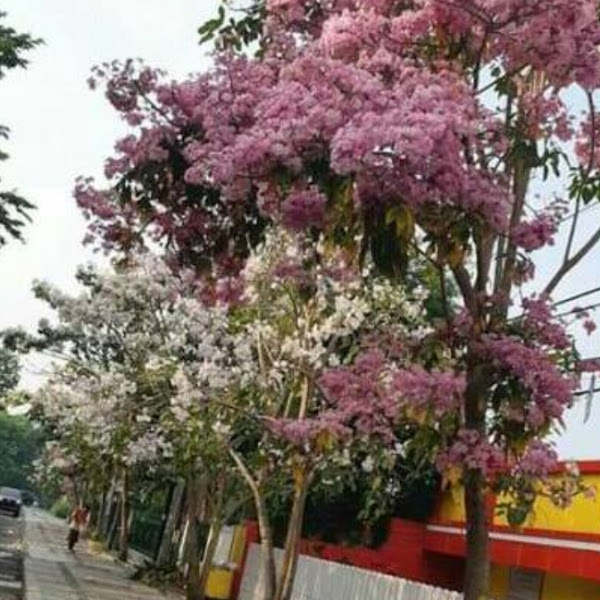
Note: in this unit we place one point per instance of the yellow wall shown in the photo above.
(555, 587)
(220, 581)
(569, 588)
(452, 505)
(582, 516)
(219, 584)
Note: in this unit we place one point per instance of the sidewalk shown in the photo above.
(53, 573)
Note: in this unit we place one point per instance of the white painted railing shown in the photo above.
(318, 579)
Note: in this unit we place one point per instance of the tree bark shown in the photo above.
(113, 522)
(477, 573)
(294, 533)
(209, 554)
(165, 556)
(124, 518)
(98, 515)
(193, 589)
(267, 580)
(105, 521)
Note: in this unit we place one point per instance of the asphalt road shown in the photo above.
(54, 573)
(11, 557)
(36, 565)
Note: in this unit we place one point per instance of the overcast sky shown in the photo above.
(61, 130)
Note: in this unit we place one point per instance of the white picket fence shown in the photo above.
(318, 579)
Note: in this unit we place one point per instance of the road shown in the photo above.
(11, 563)
(51, 572)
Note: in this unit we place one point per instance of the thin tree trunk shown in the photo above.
(113, 523)
(124, 518)
(108, 508)
(267, 580)
(75, 488)
(211, 542)
(477, 572)
(294, 533)
(166, 553)
(99, 516)
(193, 589)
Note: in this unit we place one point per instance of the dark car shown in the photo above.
(11, 501)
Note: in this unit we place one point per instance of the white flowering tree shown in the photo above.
(212, 362)
(147, 380)
(113, 382)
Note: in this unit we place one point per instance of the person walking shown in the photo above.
(78, 521)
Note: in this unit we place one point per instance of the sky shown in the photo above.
(60, 130)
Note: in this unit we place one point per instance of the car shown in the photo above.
(11, 501)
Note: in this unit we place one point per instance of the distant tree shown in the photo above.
(20, 445)
(14, 209)
(9, 372)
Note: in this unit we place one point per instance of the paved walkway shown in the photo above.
(53, 573)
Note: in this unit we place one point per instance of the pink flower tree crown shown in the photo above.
(389, 131)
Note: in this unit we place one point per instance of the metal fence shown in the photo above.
(318, 579)
(145, 533)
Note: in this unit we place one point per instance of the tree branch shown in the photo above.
(466, 288)
(571, 263)
(589, 168)
(245, 472)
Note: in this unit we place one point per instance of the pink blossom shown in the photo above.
(539, 322)
(358, 398)
(304, 432)
(539, 460)
(472, 451)
(438, 390)
(551, 391)
(533, 235)
(303, 209)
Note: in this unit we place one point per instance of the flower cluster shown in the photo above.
(551, 391)
(472, 451)
(535, 234)
(436, 391)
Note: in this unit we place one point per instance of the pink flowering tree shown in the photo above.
(396, 130)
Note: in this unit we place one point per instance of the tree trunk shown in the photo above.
(477, 574)
(113, 524)
(105, 521)
(124, 518)
(193, 588)
(193, 591)
(209, 551)
(478, 567)
(267, 580)
(75, 488)
(165, 556)
(294, 532)
(98, 516)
